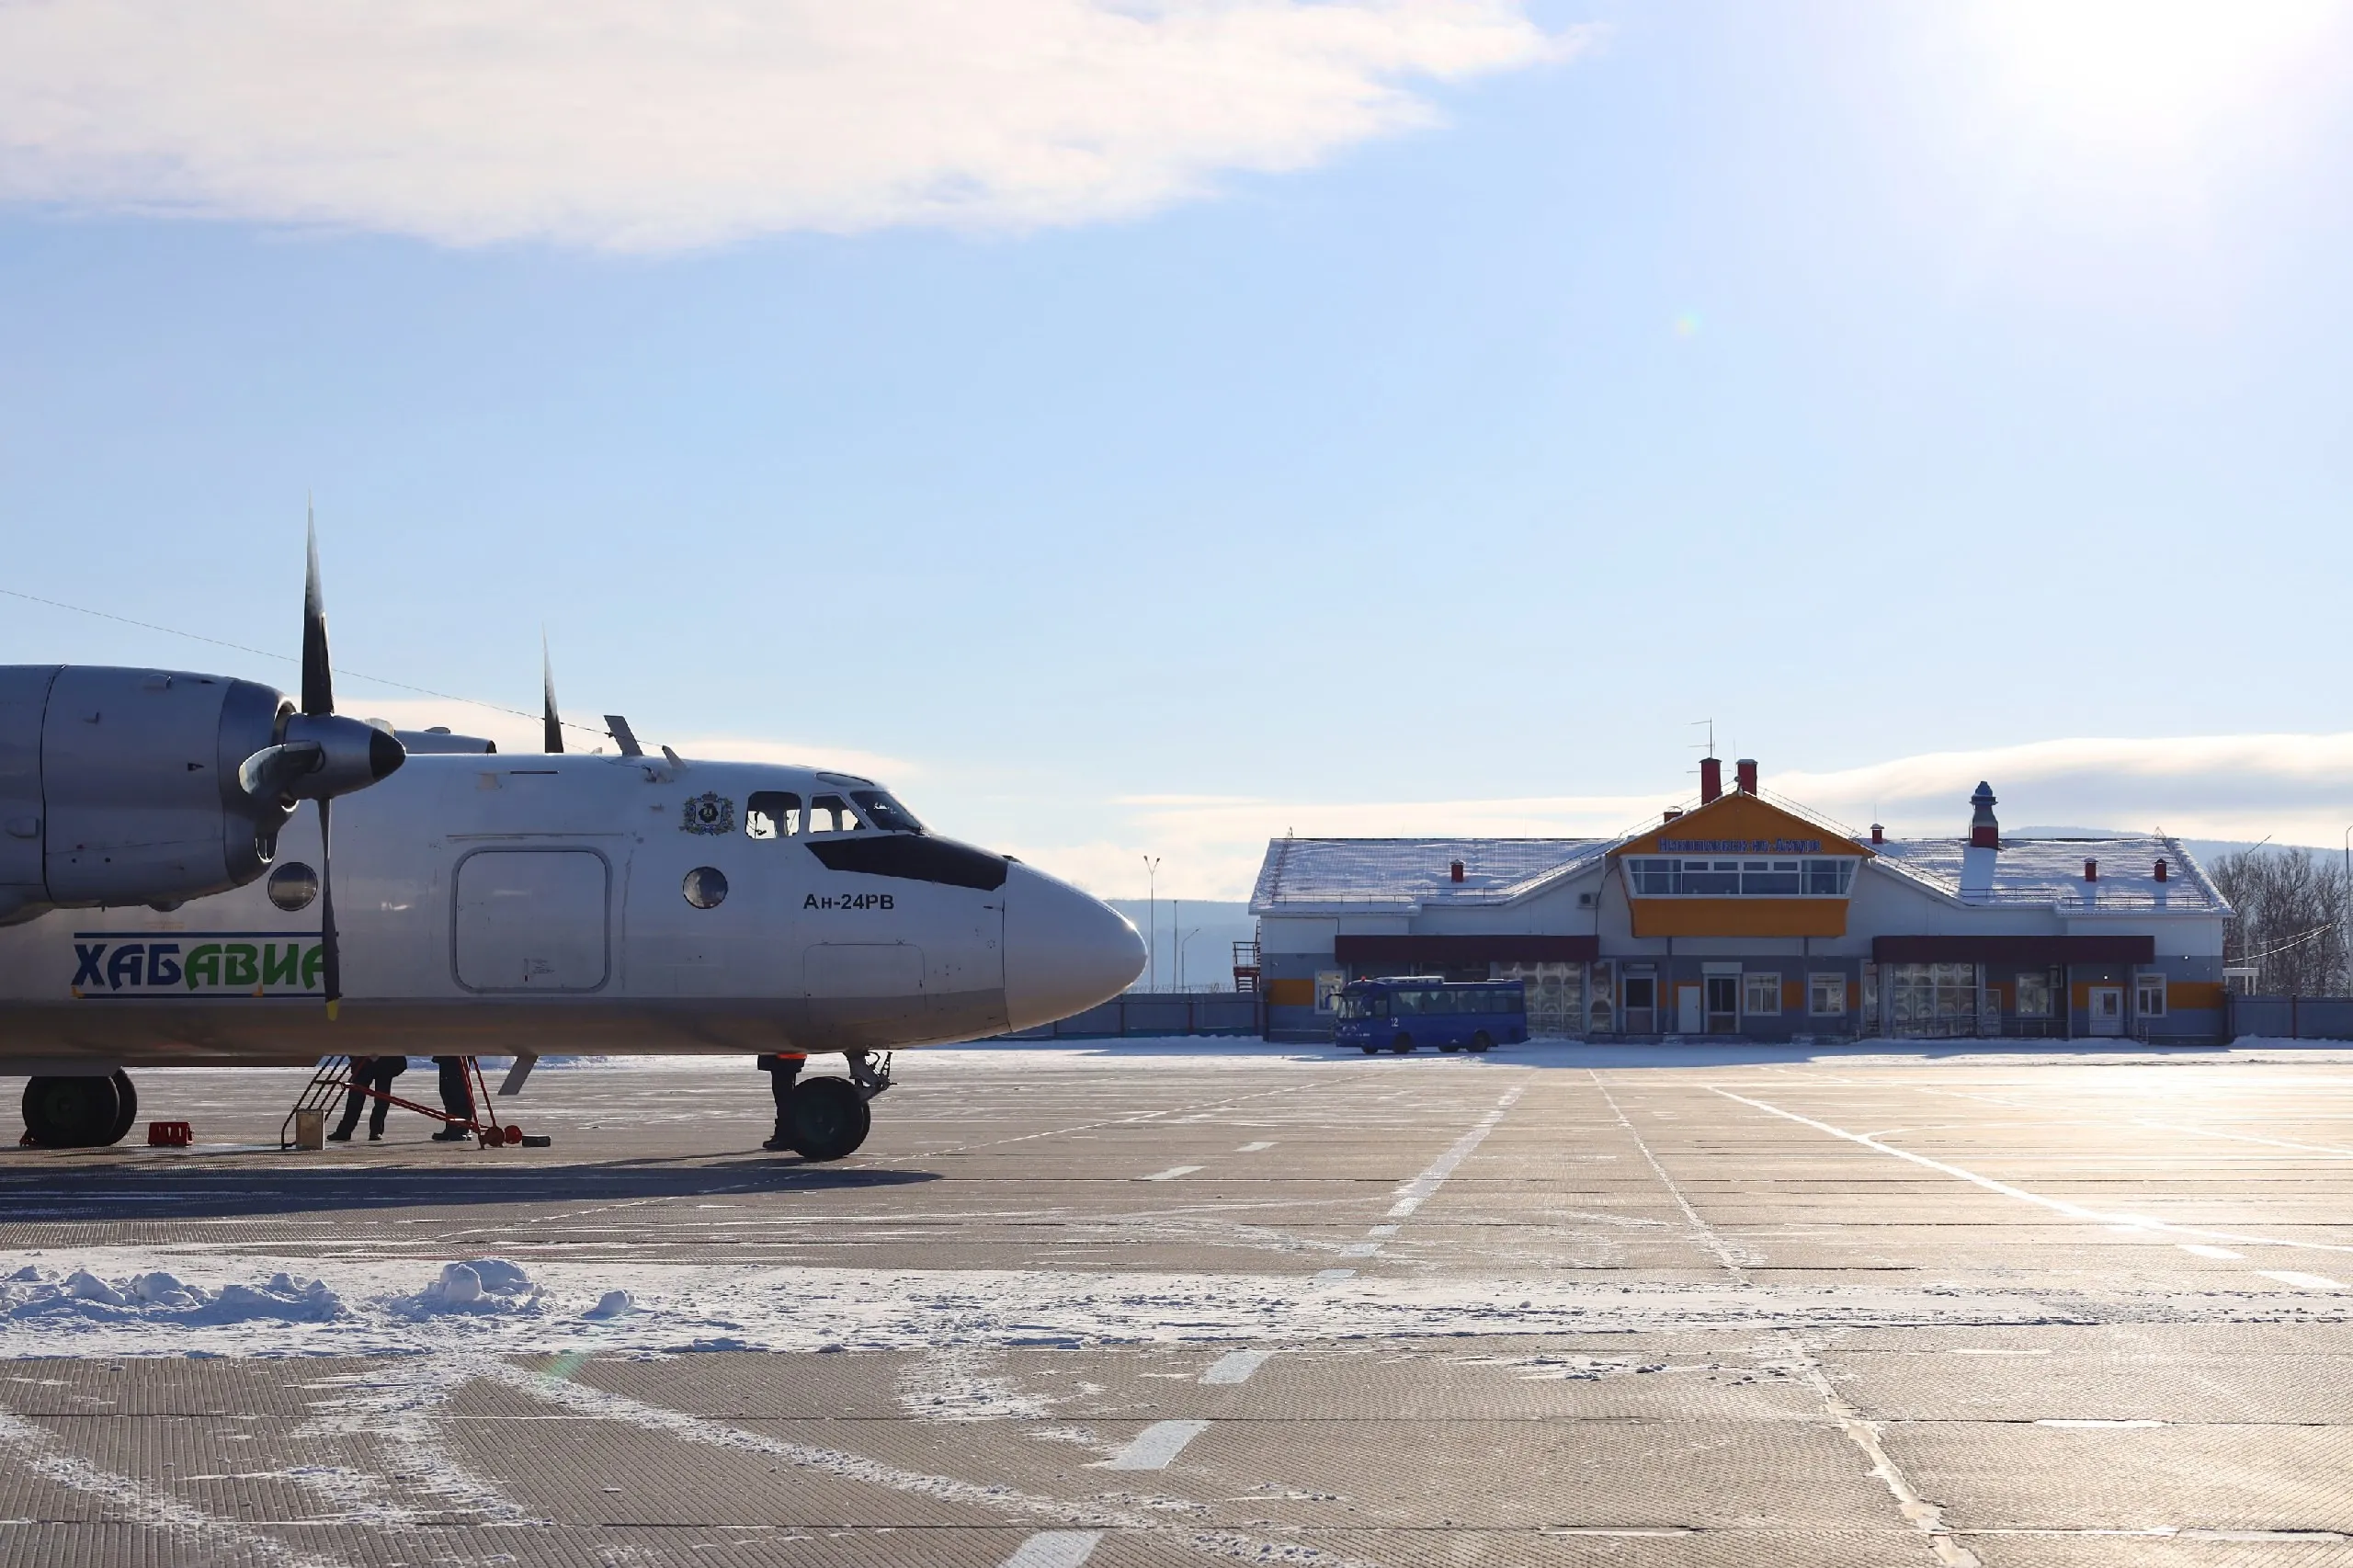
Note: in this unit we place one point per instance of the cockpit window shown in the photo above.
(772, 813)
(884, 812)
(831, 813)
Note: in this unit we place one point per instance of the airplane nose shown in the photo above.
(1064, 950)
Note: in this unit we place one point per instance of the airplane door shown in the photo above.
(532, 920)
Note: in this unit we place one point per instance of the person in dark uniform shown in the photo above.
(783, 1069)
(457, 1099)
(375, 1072)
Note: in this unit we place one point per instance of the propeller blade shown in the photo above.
(318, 681)
(551, 726)
(332, 968)
(269, 775)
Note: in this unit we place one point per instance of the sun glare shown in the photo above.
(2148, 71)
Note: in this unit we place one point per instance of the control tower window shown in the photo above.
(831, 813)
(772, 813)
(884, 812)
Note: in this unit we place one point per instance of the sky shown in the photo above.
(1143, 429)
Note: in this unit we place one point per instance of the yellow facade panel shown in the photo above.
(1291, 994)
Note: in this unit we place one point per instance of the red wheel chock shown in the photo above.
(169, 1135)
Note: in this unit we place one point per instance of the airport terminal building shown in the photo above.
(1749, 917)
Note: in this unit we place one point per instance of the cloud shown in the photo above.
(632, 126)
(2295, 788)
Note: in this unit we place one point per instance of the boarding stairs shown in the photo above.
(324, 1094)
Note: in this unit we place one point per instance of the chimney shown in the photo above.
(1743, 774)
(2161, 869)
(2091, 871)
(1879, 834)
(1985, 848)
(1672, 815)
(1711, 778)
(1454, 872)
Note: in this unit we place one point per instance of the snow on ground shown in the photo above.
(120, 1302)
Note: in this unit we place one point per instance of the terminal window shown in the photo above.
(1820, 878)
(2034, 996)
(2149, 995)
(1826, 996)
(1760, 993)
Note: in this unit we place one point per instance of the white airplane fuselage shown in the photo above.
(499, 905)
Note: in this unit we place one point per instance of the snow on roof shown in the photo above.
(2047, 871)
(1303, 875)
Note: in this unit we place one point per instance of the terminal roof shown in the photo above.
(2049, 871)
(1388, 875)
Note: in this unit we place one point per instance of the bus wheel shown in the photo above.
(1481, 1042)
(1402, 1044)
(1371, 1050)
(1448, 1049)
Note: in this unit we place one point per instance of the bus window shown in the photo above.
(884, 812)
(831, 813)
(772, 813)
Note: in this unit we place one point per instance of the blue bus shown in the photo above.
(1403, 1012)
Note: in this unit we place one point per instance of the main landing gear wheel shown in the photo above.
(1402, 1044)
(827, 1119)
(73, 1113)
(126, 1107)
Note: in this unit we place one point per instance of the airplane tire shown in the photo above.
(126, 1106)
(70, 1113)
(829, 1118)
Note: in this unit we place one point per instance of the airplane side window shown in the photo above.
(884, 812)
(772, 813)
(831, 813)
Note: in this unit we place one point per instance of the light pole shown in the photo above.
(1152, 925)
(1174, 926)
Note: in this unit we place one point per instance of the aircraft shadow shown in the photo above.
(126, 1193)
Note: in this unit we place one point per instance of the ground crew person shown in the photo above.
(783, 1069)
(457, 1099)
(375, 1072)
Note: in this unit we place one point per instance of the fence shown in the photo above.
(2292, 1018)
(1158, 1013)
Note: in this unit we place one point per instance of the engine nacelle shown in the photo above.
(121, 786)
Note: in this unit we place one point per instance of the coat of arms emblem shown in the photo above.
(712, 814)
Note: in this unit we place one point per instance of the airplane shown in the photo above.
(619, 903)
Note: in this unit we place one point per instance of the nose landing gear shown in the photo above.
(828, 1118)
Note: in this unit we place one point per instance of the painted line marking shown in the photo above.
(1055, 1549)
(1383, 1230)
(1171, 1173)
(2301, 1281)
(2220, 1254)
(2088, 1424)
(1235, 1366)
(2057, 1205)
(1253, 1148)
(1361, 1249)
(1422, 1187)
(1336, 1274)
(1156, 1446)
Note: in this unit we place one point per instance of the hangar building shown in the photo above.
(1750, 917)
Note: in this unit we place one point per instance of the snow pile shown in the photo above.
(485, 1286)
(83, 1299)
